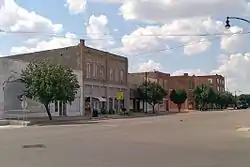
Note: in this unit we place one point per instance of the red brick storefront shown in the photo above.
(185, 81)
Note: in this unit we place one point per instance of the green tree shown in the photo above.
(211, 97)
(178, 97)
(224, 99)
(152, 93)
(201, 96)
(49, 82)
(244, 98)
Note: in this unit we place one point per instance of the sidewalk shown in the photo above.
(62, 120)
(44, 121)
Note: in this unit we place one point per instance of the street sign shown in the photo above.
(119, 96)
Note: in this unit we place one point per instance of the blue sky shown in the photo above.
(111, 20)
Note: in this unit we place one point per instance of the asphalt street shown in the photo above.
(208, 139)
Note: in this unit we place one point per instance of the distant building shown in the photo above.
(101, 76)
(168, 82)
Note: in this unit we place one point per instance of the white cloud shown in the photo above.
(149, 66)
(16, 18)
(165, 10)
(98, 32)
(236, 69)
(154, 38)
(53, 43)
(32, 41)
(235, 43)
(76, 6)
(189, 71)
(197, 47)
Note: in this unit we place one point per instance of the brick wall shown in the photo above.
(186, 82)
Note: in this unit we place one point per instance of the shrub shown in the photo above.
(111, 111)
(103, 111)
(95, 113)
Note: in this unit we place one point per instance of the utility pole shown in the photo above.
(235, 97)
(82, 69)
(146, 76)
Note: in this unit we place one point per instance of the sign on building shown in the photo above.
(119, 95)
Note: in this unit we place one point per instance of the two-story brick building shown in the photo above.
(168, 82)
(189, 83)
(101, 75)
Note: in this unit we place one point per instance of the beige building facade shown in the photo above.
(101, 76)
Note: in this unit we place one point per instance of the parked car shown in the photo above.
(242, 106)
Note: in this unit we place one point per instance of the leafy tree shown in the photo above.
(224, 99)
(211, 97)
(178, 97)
(152, 93)
(244, 98)
(49, 82)
(201, 96)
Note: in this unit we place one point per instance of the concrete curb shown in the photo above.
(4, 122)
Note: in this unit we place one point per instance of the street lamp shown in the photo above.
(227, 23)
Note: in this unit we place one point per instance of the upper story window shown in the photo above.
(165, 84)
(111, 74)
(122, 76)
(162, 83)
(191, 84)
(210, 81)
(117, 75)
(101, 71)
(95, 70)
(218, 80)
(222, 82)
(88, 70)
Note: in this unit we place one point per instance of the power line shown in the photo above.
(108, 36)
(184, 45)
(214, 37)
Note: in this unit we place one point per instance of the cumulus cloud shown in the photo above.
(189, 71)
(235, 68)
(235, 43)
(53, 43)
(165, 10)
(149, 66)
(154, 38)
(76, 6)
(98, 32)
(16, 18)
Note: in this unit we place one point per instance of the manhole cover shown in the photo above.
(34, 146)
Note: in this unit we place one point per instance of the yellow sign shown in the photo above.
(119, 96)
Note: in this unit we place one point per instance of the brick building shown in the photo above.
(188, 83)
(168, 82)
(101, 75)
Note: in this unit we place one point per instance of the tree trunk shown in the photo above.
(179, 107)
(48, 111)
(153, 105)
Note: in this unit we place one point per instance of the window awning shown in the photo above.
(101, 99)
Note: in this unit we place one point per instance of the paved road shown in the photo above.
(189, 140)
